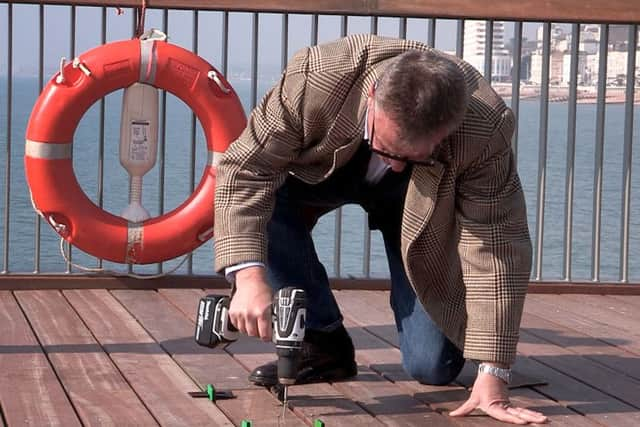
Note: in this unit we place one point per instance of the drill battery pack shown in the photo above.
(213, 325)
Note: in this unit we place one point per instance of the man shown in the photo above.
(419, 140)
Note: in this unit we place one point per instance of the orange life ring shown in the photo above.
(49, 169)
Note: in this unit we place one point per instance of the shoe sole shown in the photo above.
(330, 374)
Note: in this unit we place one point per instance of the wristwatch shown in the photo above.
(503, 373)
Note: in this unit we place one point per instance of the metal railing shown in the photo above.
(432, 23)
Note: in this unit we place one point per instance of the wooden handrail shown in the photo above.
(598, 11)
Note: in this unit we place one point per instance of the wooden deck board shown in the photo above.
(581, 344)
(138, 346)
(174, 331)
(582, 321)
(96, 388)
(30, 393)
(156, 378)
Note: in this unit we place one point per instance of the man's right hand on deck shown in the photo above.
(250, 309)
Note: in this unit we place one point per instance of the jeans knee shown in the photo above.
(433, 373)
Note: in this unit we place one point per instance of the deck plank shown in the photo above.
(389, 403)
(581, 344)
(633, 300)
(174, 331)
(30, 393)
(309, 401)
(552, 309)
(383, 357)
(158, 380)
(323, 401)
(598, 376)
(626, 321)
(97, 390)
(252, 352)
(441, 398)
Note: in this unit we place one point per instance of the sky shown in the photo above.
(57, 30)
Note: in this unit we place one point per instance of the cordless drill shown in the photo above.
(288, 315)
(213, 327)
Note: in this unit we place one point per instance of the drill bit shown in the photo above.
(284, 402)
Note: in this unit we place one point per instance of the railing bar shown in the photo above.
(337, 258)
(225, 43)
(101, 137)
(134, 27)
(38, 229)
(72, 54)
(515, 83)
(192, 177)
(134, 21)
(460, 38)
(162, 139)
(366, 249)
(571, 151)
(599, 152)
(314, 29)
(284, 48)
(488, 50)
(627, 156)
(254, 60)
(7, 182)
(431, 34)
(402, 28)
(542, 151)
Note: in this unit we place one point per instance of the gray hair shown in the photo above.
(422, 91)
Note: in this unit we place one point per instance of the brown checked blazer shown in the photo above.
(465, 241)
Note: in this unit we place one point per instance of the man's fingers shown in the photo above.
(502, 411)
(528, 415)
(264, 327)
(464, 409)
(238, 323)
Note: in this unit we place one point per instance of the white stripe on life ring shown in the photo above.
(148, 61)
(214, 157)
(135, 234)
(49, 151)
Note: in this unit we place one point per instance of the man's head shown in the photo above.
(418, 101)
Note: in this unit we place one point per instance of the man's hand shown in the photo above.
(250, 309)
(491, 394)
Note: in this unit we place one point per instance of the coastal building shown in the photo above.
(475, 42)
(588, 55)
(558, 46)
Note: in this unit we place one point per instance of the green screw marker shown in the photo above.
(246, 423)
(211, 392)
(318, 423)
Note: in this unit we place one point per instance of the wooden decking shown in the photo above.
(127, 357)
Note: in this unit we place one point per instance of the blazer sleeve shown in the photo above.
(494, 247)
(255, 166)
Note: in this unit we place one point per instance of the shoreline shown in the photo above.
(585, 94)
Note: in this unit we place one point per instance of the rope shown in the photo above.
(141, 12)
(65, 255)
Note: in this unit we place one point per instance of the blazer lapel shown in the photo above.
(420, 201)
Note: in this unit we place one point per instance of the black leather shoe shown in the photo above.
(326, 356)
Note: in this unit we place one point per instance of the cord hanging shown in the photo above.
(140, 13)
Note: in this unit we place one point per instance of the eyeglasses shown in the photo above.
(427, 162)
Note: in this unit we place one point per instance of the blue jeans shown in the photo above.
(427, 354)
